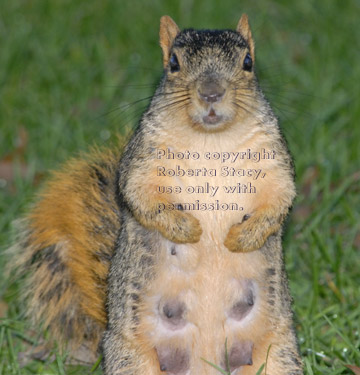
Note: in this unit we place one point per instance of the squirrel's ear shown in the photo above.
(243, 28)
(168, 32)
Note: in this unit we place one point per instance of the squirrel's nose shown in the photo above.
(211, 92)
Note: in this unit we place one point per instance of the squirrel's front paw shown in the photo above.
(181, 227)
(247, 236)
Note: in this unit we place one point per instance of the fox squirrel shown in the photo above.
(161, 257)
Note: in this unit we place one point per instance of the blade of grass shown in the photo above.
(96, 364)
(216, 367)
(60, 365)
(2, 334)
(14, 362)
(267, 357)
(308, 367)
(349, 343)
(227, 357)
(260, 369)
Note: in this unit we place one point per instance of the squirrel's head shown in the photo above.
(209, 74)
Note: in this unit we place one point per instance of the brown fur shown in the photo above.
(200, 270)
(67, 241)
(97, 209)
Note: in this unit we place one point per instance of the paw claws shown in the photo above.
(240, 239)
(186, 229)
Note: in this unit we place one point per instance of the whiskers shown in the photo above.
(285, 102)
(172, 101)
(245, 98)
(248, 99)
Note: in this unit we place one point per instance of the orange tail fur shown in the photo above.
(65, 248)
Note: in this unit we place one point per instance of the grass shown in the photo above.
(69, 71)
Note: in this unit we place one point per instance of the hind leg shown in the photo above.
(131, 270)
(123, 356)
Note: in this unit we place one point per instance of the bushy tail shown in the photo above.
(64, 249)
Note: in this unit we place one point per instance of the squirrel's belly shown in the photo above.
(203, 296)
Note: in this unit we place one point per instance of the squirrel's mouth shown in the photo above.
(212, 118)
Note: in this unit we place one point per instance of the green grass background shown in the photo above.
(69, 71)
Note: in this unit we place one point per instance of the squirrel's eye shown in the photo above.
(247, 65)
(174, 63)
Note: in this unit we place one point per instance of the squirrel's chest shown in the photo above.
(217, 182)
